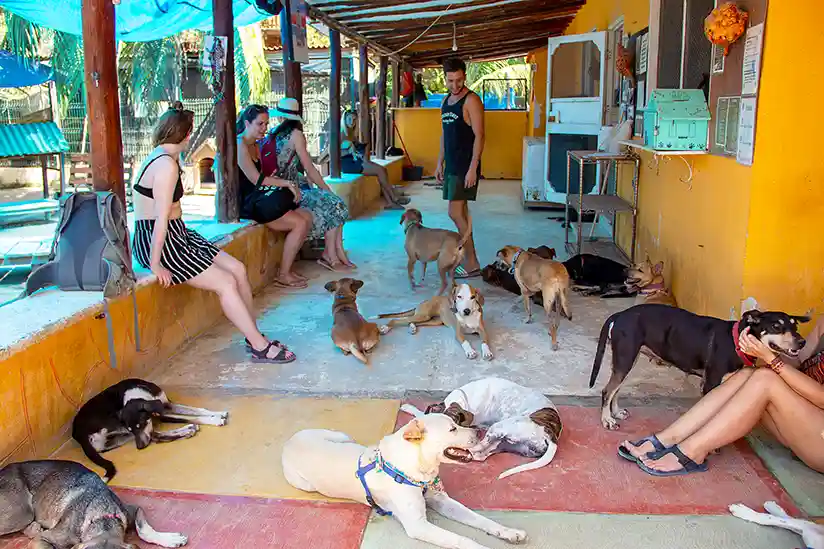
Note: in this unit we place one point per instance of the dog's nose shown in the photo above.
(466, 312)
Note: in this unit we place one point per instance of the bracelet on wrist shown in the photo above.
(776, 365)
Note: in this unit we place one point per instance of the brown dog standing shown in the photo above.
(536, 274)
(350, 331)
(425, 245)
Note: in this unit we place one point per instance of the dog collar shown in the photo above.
(515, 261)
(410, 225)
(651, 289)
(377, 463)
(745, 358)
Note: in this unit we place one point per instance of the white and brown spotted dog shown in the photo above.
(462, 310)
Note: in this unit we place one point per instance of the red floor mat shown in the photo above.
(214, 522)
(587, 475)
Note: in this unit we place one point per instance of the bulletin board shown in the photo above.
(726, 100)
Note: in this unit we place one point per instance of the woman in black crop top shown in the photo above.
(177, 255)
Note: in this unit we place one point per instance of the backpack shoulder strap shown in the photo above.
(113, 224)
(66, 207)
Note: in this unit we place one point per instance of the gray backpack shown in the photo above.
(90, 247)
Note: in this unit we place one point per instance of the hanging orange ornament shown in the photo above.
(725, 24)
(624, 61)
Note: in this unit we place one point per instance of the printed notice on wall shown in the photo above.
(641, 63)
(718, 58)
(746, 131)
(751, 67)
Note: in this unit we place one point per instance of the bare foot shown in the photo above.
(638, 452)
(290, 279)
(667, 462)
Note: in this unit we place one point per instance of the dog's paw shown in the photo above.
(224, 415)
(511, 535)
(609, 423)
(413, 329)
(621, 413)
(486, 351)
(528, 320)
(555, 346)
(384, 329)
(471, 353)
(742, 511)
(171, 539)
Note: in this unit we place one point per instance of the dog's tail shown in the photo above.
(606, 329)
(392, 315)
(412, 410)
(542, 461)
(467, 234)
(95, 457)
(358, 353)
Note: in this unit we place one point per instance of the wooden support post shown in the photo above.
(334, 105)
(102, 99)
(381, 110)
(228, 182)
(364, 124)
(395, 100)
(63, 174)
(291, 68)
(44, 169)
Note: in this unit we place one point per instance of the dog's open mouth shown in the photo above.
(791, 352)
(458, 454)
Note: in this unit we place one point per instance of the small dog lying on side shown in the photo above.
(462, 310)
(425, 245)
(351, 332)
(63, 505)
(399, 476)
(811, 533)
(536, 274)
(517, 419)
(126, 411)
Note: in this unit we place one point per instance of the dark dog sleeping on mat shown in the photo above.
(590, 274)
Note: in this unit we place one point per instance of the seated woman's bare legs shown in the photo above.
(297, 226)
(223, 283)
(696, 417)
(764, 396)
(341, 252)
(370, 168)
(330, 251)
(237, 270)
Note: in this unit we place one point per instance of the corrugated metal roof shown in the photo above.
(31, 139)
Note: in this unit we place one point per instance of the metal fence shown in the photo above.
(505, 94)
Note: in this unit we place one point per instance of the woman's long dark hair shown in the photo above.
(287, 126)
(248, 115)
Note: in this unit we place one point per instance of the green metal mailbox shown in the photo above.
(676, 120)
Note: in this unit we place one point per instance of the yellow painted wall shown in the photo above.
(784, 260)
(420, 130)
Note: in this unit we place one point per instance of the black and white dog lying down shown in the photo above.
(63, 505)
(126, 411)
(517, 419)
(590, 274)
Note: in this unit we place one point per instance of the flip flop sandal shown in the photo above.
(283, 356)
(395, 206)
(688, 466)
(275, 341)
(461, 272)
(290, 285)
(657, 444)
(326, 265)
(403, 200)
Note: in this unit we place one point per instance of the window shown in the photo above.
(683, 56)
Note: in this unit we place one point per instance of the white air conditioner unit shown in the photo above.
(532, 184)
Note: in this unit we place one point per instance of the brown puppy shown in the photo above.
(462, 310)
(425, 245)
(350, 331)
(535, 274)
(648, 280)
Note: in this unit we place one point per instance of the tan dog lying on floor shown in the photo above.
(648, 280)
(425, 245)
(462, 310)
(350, 331)
(535, 274)
(399, 476)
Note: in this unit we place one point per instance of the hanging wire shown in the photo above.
(435, 22)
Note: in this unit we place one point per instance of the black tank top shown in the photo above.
(458, 138)
(146, 191)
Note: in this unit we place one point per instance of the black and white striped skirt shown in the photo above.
(185, 254)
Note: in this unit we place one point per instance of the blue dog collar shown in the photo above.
(377, 463)
(515, 261)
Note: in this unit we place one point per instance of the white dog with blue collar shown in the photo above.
(398, 477)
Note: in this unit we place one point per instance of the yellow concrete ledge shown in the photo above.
(46, 375)
(360, 192)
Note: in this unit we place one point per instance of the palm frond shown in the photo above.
(67, 62)
(150, 72)
(21, 37)
(252, 72)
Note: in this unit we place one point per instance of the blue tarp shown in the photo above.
(16, 72)
(136, 20)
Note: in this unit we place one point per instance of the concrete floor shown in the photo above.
(431, 360)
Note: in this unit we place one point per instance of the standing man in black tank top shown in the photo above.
(459, 161)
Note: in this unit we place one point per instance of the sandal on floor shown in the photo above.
(403, 200)
(394, 206)
(461, 272)
(687, 465)
(283, 356)
(327, 265)
(657, 444)
(294, 285)
(275, 341)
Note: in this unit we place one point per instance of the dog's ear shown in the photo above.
(331, 286)
(435, 408)
(500, 254)
(414, 431)
(549, 419)
(648, 260)
(459, 415)
(801, 319)
(453, 296)
(154, 407)
(356, 285)
(751, 318)
(479, 297)
(403, 216)
(658, 268)
(552, 253)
